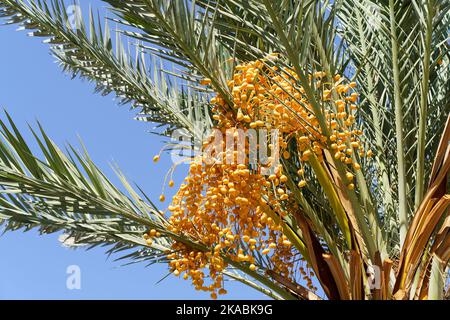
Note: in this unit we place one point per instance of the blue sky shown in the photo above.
(32, 88)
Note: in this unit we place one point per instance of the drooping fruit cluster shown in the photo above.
(233, 207)
(225, 207)
(268, 97)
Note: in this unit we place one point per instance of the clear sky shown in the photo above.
(32, 87)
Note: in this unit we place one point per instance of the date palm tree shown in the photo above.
(392, 221)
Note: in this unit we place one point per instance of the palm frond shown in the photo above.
(91, 53)
(181, 33)
(398, 130)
